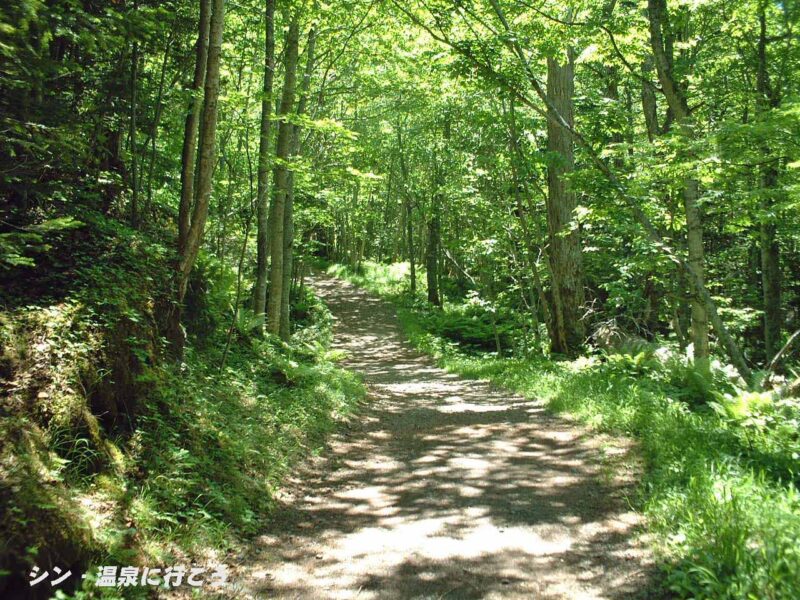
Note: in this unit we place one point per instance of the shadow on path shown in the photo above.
(448, 488)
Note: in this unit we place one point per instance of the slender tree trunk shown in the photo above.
(649, 104)
(408, 208)
(191, 127)
(262, 201)
(435, 223)
(288, 246)
(156, 122)
(661, 44)
(432, 251)
(770, 250)
(281, 179)
(566, 261)
(205, 166)
(134, 83)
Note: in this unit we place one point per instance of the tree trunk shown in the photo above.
(432, 251)
(281, 179)
(134, 82)
(770, 250)
(191, 127)
(156, 122)
(661, 44)
(566, 261)
(205, 166)
(262, 201)
(408, 209)
(288, 246)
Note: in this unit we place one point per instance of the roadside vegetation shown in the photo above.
(111, 454)
(722, 464)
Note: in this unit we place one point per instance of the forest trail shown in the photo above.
(446, 488)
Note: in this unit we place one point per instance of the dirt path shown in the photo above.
(448, 488)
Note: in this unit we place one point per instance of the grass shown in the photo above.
(721, 472)
(112, 455)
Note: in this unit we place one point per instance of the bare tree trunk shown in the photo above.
(281, 180)
(191, 127)
(566, 261)
(435, 224)
(649, 104)
(262, 202)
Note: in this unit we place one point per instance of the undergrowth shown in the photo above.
(112, 454)
(721, 464)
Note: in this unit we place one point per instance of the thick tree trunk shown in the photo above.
(277, 217)
(661, 44)
(191, 127)
(262, 198)
(566, 261)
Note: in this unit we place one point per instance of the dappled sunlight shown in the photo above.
(448, 487)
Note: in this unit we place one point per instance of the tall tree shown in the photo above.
(192, 125)
(187, 253)
(288, 229)
(277, 217)
(566, 262)
(262, 201)
(768, 98)
(662, 44)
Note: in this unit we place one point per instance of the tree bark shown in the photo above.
(134, 83)
(281, 180)
(191, 127)
(661, 44)
(156, 122)
(770, 250)
(288, 246)
(432, 251)
(566, 261)
(205, 167)
(262, 201)
(408, 209)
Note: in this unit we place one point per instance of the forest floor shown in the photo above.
(448, 488)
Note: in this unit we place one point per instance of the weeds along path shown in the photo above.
(447, 488)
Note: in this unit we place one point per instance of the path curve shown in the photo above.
(447, 488)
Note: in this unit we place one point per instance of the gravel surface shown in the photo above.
(447, 488)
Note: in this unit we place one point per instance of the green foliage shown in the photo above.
(719, 490)
(114, 454)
